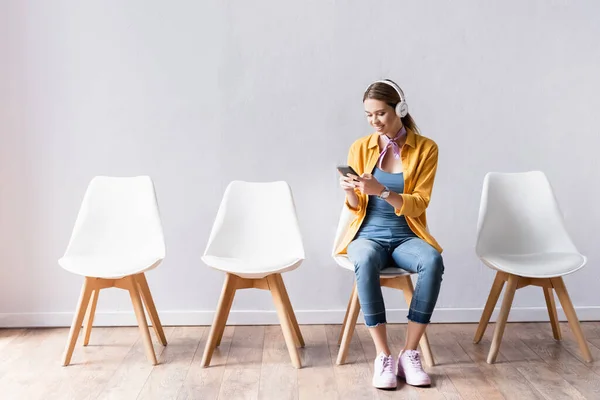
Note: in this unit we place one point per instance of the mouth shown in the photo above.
(379, 128)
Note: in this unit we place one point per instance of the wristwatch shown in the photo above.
(385, 193)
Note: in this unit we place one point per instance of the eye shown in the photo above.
(381, 114)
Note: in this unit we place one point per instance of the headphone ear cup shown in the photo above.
(401, 109)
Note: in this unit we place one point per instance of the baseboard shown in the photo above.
(251, 317)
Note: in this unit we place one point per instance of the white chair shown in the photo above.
(117, 238)
(392, 277)
(255, 238)
(521, 234)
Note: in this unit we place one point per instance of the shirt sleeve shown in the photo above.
(361, 197)
(415, 203)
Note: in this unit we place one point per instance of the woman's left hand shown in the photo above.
(368, 185)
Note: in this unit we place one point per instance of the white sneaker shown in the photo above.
(383, 375)
(410, 368)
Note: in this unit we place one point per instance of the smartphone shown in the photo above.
(346, 169)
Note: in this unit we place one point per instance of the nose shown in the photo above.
(375, 120)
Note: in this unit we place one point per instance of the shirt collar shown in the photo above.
(410, 139)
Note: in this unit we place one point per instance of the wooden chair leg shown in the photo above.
(89, 318)
(549, 295)
(346, 316)
(489, 306)
(84, 298)
(349, 328)
(298, 339)
(227, 295)
(151, 307)
(424, 342)
(222, 326)
(284, 318)
(130, 283)
(567, 305)
(509, 295)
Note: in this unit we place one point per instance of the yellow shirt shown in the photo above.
(419, 163)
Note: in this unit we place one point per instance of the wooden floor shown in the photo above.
(253, 363)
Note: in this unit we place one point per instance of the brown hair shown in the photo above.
(386, 93)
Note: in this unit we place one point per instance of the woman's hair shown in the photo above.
(386, 93)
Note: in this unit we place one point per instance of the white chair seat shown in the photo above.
(344, 262)
(118, 231)
(543, 265)
(108, 267)
(521, 230)
(252, 268)
(256, 231)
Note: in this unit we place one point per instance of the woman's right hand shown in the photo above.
(348, 183)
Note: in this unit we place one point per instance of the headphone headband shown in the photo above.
(401, 107)
(395, 86)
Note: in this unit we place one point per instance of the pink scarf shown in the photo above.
(391, 143)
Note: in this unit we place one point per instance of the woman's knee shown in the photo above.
(367, 263)
(432, 263)
(367, 260)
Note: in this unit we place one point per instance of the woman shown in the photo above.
(397, 168)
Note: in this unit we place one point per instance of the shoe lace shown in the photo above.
(387, 364)
(414, 359)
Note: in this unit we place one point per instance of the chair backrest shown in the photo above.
(256, 221)
(118, 216)
(519, 215)
(346, 218)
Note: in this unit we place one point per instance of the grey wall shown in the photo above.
(196, 94)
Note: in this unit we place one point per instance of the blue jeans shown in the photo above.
(412, 254)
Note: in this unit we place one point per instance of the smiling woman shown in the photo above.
(397, 168)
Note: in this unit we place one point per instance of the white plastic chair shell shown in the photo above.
(118, 231)
(521, 230)
(256, 231)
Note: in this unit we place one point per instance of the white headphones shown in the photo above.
(401, 107)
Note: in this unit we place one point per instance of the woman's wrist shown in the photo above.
(395, 199)
(384, 192)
